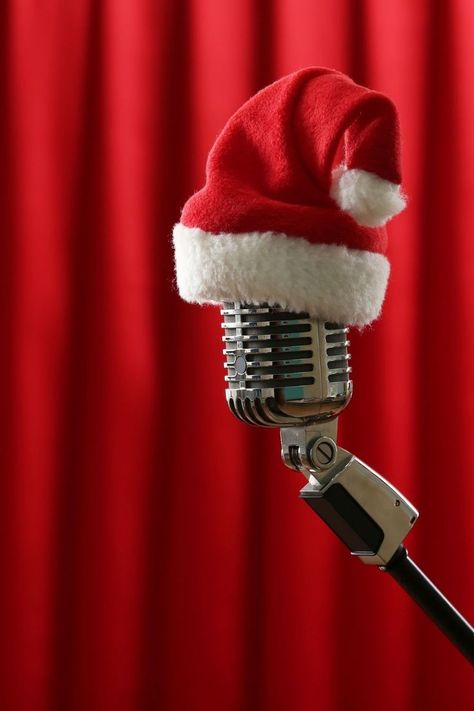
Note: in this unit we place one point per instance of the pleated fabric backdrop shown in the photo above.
(154, 553)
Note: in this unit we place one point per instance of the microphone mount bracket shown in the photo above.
(364, 510)
(371, 518)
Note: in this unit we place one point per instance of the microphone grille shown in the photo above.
(283, 368)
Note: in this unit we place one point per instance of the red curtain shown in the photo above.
(154, 553)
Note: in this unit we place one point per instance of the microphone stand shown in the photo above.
(370, 517)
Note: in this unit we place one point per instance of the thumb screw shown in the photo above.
(323, 452)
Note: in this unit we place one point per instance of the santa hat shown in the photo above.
(279, 221)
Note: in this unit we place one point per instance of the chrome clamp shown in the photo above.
(364, 510)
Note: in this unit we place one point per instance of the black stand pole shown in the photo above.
(358, 530)
(432, 601)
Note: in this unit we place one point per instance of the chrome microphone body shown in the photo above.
(284, 369)
(291, 371)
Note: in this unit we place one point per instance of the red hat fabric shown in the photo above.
(278, 220)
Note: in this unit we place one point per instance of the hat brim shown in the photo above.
(330, 282)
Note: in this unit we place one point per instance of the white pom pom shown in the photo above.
(368, 198)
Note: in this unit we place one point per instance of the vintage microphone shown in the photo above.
(290, 371)
(294, 244)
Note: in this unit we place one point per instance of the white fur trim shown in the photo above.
(329, 281)
(368, 198)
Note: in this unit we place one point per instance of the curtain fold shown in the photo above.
(153, 551)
